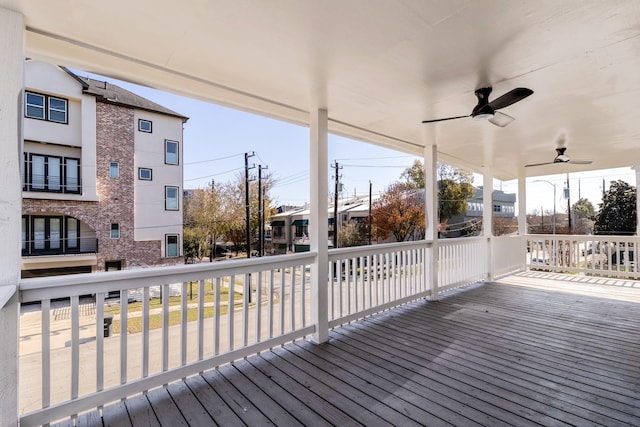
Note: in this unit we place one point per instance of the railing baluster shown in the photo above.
(231, 310)
(100, 341)
(216, 319)
(246, 297)
(270, 301)
(303, 295)
(184, 308)
(292, 298)
(46, 352)
(259, 308)
(146, 297)
(124, 315)
(201, 296)
(75, 345)
(281, 302)
(165, 326)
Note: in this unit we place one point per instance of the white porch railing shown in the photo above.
(508, 254)
(610, 256)
(461, 261)
(186, 318)
(76, 368)
(366, 280)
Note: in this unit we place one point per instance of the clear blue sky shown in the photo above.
(216, 138)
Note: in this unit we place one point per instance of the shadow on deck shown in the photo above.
(530, 349)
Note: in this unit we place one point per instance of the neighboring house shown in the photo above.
(504, 206)
(102, 176)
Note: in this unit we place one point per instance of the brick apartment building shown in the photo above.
(102, 176)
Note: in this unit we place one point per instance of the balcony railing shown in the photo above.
(173, 322)
(608, 256)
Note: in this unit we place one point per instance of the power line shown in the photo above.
(213, 160)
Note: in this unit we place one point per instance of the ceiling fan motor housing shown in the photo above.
(483, 110)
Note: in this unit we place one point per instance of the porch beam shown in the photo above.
(431, 214)
(11, 87)
(319, 222)
(487, 218)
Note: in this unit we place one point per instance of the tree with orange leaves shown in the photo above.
(399, 211)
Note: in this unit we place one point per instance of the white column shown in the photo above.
(11, 87)
(487, 218)
(431, 212)
(637, 169)
(318, 224)
(522, 217)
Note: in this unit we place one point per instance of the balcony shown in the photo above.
(531, 347)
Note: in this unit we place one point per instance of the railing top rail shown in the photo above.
(585, 238)
(357, 251)
(36, 289)
(458, 240)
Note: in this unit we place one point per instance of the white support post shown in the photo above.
(487, 219)
(522, 217)
(637, 169)
(11, 88)
(431, 212)
(319, 223)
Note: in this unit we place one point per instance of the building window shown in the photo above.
(52, 173)
(144, 125)
(171, 246)
(114, 170)
(115, 231)
(145, 174)
(171, 198)
(50, 235)
(497, 208)
(170, 152)
(44, 107)
(278, 232)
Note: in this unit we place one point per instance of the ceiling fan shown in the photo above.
(486, 110)
(562, 158)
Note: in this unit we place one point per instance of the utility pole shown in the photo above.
(246, 199)
(260, 211)
(335, 203)
(370, 216)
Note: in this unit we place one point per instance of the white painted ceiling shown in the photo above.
(380, 67)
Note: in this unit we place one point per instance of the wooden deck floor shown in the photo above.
(530, 349)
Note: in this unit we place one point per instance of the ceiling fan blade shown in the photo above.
(538, 164)
(501, 119)
(511, 97)
(445, 119)
(581, 162)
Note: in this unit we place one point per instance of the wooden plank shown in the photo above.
(350, 386)
(115, 415)
(140, 412)
(235, 400)
(403, 389)
(332, 414)
(262, 401)
(89, 419)
(278, 396)
(165, 409)
(350, 404)
(213, 404)
(188, 405)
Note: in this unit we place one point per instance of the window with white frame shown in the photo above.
(145, 125)
(145, 174)
(115, 231)
(172, 248)
(45, 107)
(171, 198)
(114, 170)
(170, 152)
